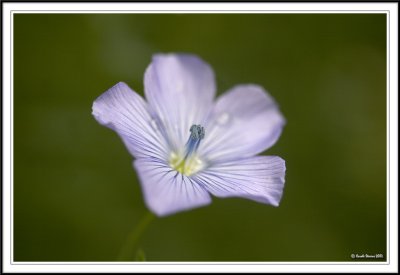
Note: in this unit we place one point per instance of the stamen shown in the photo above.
(189, 163)
(196, 134)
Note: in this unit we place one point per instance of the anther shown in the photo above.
(197, 131)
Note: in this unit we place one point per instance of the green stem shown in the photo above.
(126, 253)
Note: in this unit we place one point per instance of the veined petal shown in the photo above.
(125, 112)
(180, 89)
(259, 178)
(245, 121)
(166, 191)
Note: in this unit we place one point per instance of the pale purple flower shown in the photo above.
(188, 146)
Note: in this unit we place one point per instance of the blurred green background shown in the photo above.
(77, 197)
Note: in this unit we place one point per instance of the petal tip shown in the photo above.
(163, 212)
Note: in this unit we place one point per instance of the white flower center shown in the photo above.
(188, 162)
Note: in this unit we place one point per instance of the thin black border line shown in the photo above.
(378, 263)
(11, 136)
(201, 11)
(388, 134)
(205, 263)
(372, 263)
(11, 166)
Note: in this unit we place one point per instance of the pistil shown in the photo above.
(189, 163)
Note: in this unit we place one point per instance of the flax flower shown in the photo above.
(187, 145)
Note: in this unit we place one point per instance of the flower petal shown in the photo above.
(166, 191)
(259, 178)
(180, 89)
(125, 112)
(245, 121)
